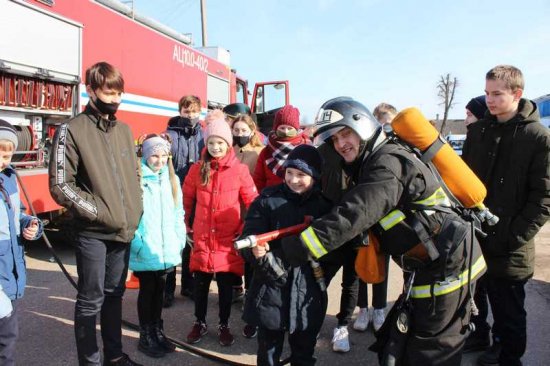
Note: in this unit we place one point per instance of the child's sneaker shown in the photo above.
(340, 339)
(197, 332)
(224, 335)
(362, 321)
(378, 318)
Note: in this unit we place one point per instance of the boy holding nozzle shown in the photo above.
(284, 298)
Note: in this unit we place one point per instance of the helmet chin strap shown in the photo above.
(375, 141)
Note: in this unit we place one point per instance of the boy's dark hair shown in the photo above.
(511, 75)
(103, 74)
(188, 100)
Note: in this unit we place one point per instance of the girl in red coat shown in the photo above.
(285, 136)
(212, 192)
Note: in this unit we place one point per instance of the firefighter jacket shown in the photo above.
(216, 210)
(13, 275)
(392, 193)
(512, 159)
(160, 236)
(282, 297)
(93, 173)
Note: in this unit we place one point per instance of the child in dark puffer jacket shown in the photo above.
(283, 298)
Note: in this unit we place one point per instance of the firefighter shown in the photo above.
(399, 199)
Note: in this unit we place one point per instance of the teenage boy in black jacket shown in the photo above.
(284, 298)
(93, 174)
(509, 150)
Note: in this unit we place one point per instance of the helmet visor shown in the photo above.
(323, 136)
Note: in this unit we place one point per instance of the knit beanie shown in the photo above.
(7, 132)
(288, 115)
(307, 159)
(220, 128)
(153, 146)
(477, 106)
(213, 115)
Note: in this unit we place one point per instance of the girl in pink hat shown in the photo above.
(213, 192)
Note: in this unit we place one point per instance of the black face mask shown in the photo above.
(105, 108)
(241, 140)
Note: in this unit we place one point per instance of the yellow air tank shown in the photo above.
(412, 127)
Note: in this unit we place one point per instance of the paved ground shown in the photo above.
(46, 314)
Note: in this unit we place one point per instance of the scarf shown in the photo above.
(278, 149)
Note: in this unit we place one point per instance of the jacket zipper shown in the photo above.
(117, 179)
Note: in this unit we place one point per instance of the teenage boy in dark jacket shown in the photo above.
(187, 143)
(509, 150)
(284, 298)
(93, 174)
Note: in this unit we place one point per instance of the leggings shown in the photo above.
(225, 281)
(150, 297)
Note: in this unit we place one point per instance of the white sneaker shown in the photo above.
(340, 339)
(378, 318)
(362, 321)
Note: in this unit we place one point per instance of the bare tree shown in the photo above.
(446, 87)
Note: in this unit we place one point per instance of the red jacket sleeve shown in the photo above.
(260, 178)
(248, 191)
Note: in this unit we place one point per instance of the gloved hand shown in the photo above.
(296, 252)
(5, 304)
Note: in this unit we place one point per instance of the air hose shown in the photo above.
(182, 345)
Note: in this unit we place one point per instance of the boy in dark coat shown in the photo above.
(187, 143)
(284, 298)
(509, 150)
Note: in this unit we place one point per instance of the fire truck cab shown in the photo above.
(46, 47)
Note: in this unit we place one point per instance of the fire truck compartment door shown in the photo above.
(34, 41)
(217, 91)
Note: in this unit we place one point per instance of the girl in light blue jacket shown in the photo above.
(158, 242)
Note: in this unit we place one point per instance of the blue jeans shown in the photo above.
(102, 266)
(9, 331)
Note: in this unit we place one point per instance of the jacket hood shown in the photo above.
(149, 174)
(527, 113)
(226, 161)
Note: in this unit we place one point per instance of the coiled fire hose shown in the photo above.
(180, 344)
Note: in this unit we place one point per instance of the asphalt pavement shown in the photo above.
(46, 318)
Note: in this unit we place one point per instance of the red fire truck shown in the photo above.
(46, 45)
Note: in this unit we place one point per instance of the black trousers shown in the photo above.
(150, 297)
(9, 332)
(302, 346)
(343, 257)
(379, 292)
(439, 327)
(507, 300)
(225, 282)
(186, 275)
(102, 266)
(248, 272)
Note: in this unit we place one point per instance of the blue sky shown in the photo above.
(372, 50)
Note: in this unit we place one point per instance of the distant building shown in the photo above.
(452, 127)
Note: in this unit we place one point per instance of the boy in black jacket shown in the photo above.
(283, 298)
(509, 150)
